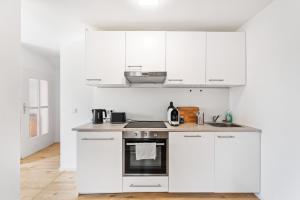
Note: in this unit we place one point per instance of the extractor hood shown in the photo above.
(145, 77)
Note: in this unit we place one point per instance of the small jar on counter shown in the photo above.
(200, 118)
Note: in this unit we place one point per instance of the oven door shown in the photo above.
(146, 167)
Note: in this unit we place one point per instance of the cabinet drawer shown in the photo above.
(145, 184)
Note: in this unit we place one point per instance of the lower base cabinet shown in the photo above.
(99, 162)
(237, 162)
(222, 162)
(191, 162)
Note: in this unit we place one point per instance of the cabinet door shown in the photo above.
(99, 162)
(185, 58)
(145, 51)
(105, 57)
(191, 162)
(226, 58)
(237, 162)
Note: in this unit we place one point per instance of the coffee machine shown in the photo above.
(98, 115)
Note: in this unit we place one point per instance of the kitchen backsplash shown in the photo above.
(152, 103)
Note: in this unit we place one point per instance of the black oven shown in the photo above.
(145, 167)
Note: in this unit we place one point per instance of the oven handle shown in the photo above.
(133, 144)
(132, 185)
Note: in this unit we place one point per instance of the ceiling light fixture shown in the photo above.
(148, 2)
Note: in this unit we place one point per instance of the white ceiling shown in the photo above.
(48, 23)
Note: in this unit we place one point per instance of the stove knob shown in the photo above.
(155, 134)
(135, 134)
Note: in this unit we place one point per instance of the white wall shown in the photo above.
(36, 65)
(271, 99)
(152, 103)
(10, 99)
(75, 99)
(139, 103)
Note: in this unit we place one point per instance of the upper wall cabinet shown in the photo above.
(213, 59)
(145, 51)
(226, 59)
(185, 58)
(105, 57)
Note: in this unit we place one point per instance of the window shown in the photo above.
(38, 107)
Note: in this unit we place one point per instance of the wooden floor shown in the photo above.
(42, 180)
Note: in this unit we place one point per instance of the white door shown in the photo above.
(99, 162)
(105, 57)
(146, 51)
(226, 58)
(185, 58)
(191, 162)
(35, 134)
(237, 162)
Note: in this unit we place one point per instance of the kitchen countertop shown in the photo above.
(186, 127)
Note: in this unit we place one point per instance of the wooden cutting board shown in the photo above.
(188, 113)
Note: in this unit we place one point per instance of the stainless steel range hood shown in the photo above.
(145, 77)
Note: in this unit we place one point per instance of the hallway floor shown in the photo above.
(42, 180)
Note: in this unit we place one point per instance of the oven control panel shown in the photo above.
(145, 134)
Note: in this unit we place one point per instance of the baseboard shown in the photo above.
(67, 169)
(258, 196)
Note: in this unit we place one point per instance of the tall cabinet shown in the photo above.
(185, 58)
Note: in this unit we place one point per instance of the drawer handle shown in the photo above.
(158, 185)
(213, 80)
(133, 66)
(86, 139)
(133, 144)
(226, 137)
(193, 136)
(94, 79)
(175, 80)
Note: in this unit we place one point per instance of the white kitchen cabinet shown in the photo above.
(191, 162)
(99, 162)
(145, 51)
(226, 59)
(105, 57)
(185, 58)
(237, 162)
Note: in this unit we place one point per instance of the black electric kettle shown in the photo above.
(98, 115)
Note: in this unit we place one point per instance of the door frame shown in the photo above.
(30, 145)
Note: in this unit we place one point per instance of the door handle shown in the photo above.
(103, 139)
(216, 80)
(175, 80)
(94, 79)
(192, 136)
(226, 137)
(28, 107)
(158, 185)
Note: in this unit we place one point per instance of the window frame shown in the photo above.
(38, 109)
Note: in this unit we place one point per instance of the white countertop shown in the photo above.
(186, 127)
